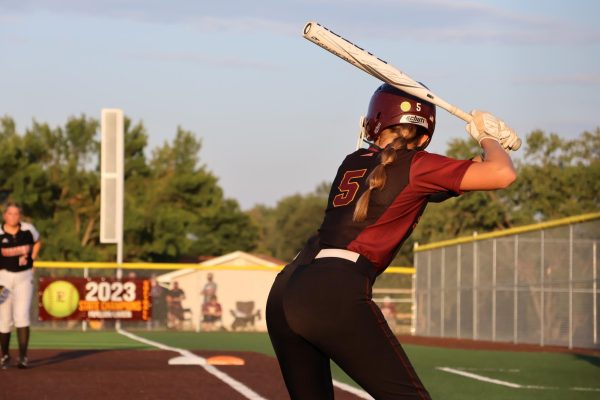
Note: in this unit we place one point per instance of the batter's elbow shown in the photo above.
(506, 177)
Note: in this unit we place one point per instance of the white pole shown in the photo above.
(112, 160)
(120, 208)
(119, 269)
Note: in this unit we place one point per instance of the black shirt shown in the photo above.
(15, 250)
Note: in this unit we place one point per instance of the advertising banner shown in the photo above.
(94, 298)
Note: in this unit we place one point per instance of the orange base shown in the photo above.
(225, 360)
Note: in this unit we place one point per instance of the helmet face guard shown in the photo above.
(390, 106)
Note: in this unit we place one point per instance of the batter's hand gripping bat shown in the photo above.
(378, 68)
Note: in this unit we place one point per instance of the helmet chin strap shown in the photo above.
(372, 144)
(362, 134)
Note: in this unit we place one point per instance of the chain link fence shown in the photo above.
(536, 284)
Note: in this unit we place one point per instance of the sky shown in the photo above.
(275, 113)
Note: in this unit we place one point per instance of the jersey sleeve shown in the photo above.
(433, 173)
(34, 233)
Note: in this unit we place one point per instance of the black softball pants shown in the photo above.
(323, 310)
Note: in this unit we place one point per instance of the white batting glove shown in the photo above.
(483, 126)
(509, 139)
(486, 126)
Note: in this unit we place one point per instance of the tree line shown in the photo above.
(175, 209)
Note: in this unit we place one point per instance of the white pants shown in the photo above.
(15, 310)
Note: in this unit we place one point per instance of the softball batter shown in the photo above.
(19, 246)
(320, 306)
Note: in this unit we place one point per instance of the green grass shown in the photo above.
(558, 370)
(55, 339)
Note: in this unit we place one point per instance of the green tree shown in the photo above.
(187, 213)
(174, 207)
(52, 176)
(556, 178)
(561, 177)
(286, 227)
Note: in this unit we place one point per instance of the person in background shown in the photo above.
(209, 289)
(211, 314)
(388, 309)
(19, 247)
(159, 303)
(176, 297)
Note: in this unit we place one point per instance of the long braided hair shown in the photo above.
(403, 135)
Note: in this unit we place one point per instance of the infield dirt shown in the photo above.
(138, 374)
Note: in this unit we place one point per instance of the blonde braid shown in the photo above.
(378, 177)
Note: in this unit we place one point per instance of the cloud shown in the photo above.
(446, 21)
(243, 24)
(572, 80)
(205, 59)
(442, 21)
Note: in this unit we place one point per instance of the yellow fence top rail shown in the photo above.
(176, 266)
(146, 265)
(512, 231)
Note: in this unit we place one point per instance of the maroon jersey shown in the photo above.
(212, 308)
(394, 211)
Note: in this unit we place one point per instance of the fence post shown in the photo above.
(475, 282)
(458, 289)
(84, 324)
(594, 291)
(571, 286)
(494, 290)
(516, 291)
(429, 293)
(443, 288)
(542, 288)
(414, 292)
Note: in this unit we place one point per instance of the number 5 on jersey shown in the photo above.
(348, 187)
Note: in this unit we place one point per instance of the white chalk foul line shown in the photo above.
(584, 389)
(510, 384)
(351, 389)
(200, 361)
(491, 380)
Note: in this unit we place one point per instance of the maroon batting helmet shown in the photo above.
(390, 106)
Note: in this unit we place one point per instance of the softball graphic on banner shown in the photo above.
(60, 299)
